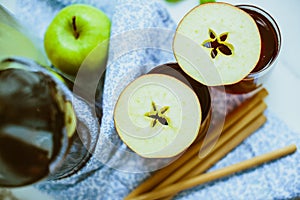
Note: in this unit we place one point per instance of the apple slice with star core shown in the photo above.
(73, 34)
(157, 116)
(217, 44)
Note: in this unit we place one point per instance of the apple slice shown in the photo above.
(217, 44)
(157, 116)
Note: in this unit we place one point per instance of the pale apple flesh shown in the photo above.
(73, 34)
(157, 116)
(217, 44)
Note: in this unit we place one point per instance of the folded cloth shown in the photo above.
(142, 39)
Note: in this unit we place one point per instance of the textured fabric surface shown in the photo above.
(141, 39)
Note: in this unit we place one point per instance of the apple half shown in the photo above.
(217, 44)
(157, 116)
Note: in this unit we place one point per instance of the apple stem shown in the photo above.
(76, 34)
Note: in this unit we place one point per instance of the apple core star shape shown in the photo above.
(158, 115)
(218, 44)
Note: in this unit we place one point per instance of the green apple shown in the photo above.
(173, 1)
(206, 1)
(158, 116)
(74, 33)
(217, 44)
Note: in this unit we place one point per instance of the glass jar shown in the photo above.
(39, 126)
(270, 48)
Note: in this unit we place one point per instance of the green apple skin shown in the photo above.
(206, 1)
(64, 48)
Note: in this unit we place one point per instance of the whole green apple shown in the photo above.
(73, 34)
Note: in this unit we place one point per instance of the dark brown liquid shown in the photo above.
(269, 50)
(269, 38)
(21, 162)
